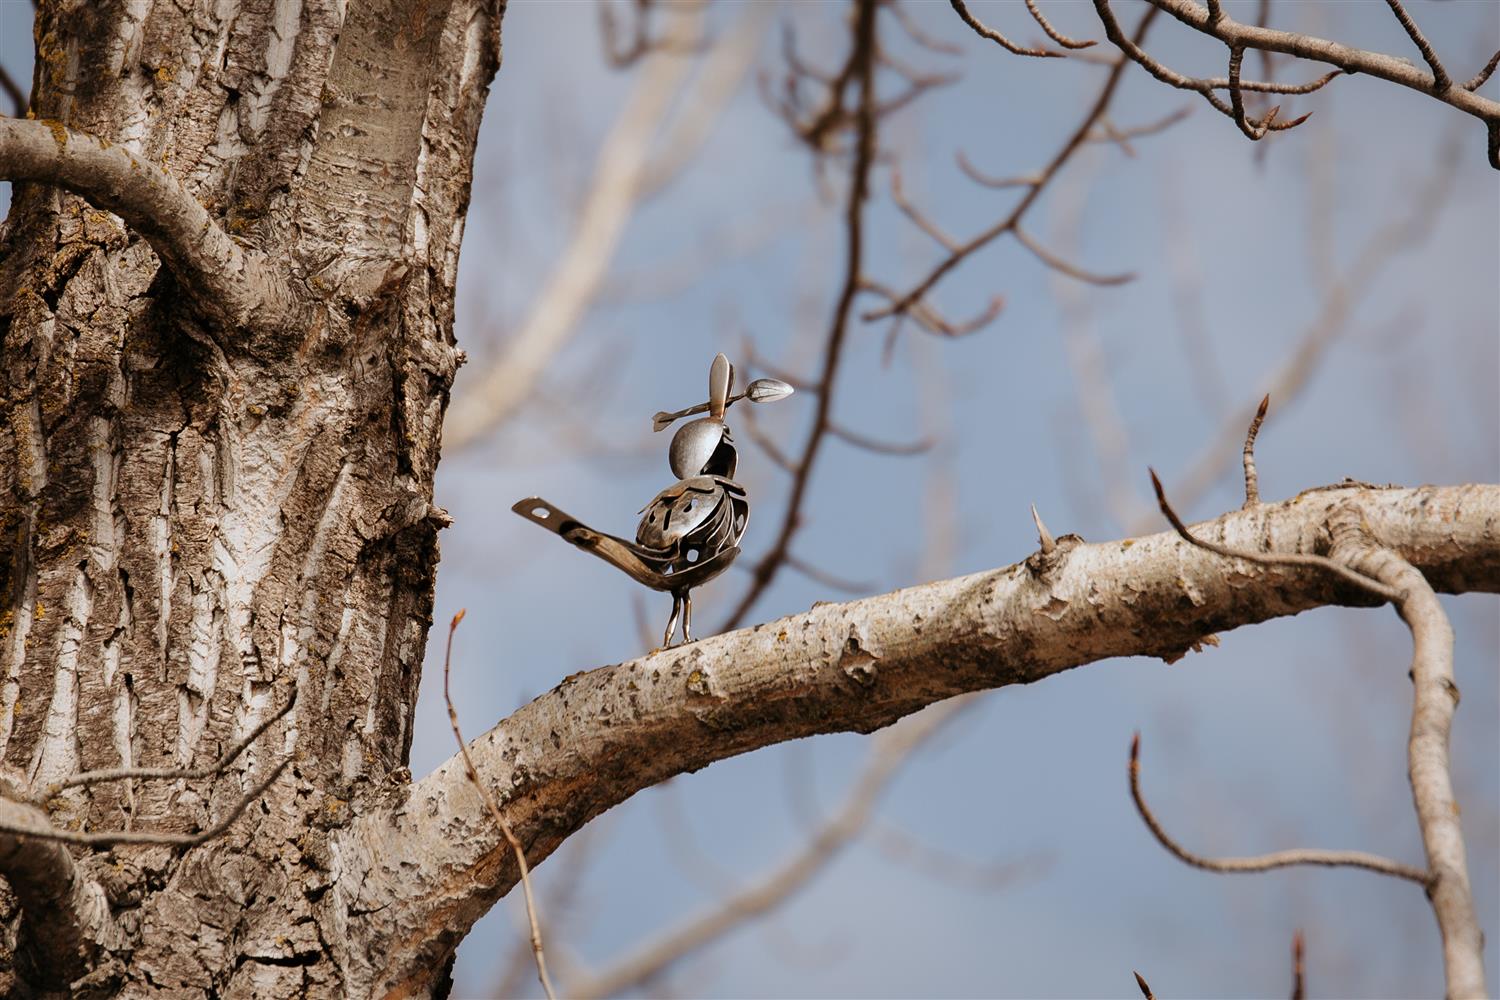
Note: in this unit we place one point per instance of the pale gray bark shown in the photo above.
(432, 857)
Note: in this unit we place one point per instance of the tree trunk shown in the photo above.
(207, 504)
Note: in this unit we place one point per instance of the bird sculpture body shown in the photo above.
(690, 532)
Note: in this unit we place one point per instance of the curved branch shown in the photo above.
(825, 844)
(1345, 57)
(1434, 699)
(1261, 862)
(434, 858)
(233, 285)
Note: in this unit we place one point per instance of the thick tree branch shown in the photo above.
(1434, 699)
(233, 285)
(434, 860)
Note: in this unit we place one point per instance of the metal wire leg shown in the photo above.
(687, 616)
(672, 622)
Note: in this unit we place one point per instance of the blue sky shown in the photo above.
(1290, 733)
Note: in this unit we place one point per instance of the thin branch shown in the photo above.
(984, 31)
(1252, 480)
(903, 304)
(496, 815)
(1143, 986)
(915, 33)
(1434, 698)
(1254, 131)
(979, 177)
(1333, 566)
(1346, 58)
(1342, 295)
(1055, 262)
(173, 773)
(918, 447)
(1261, 862)
(114, 838)
(827, 579)
(1484, 74)
(1205, 87)
(236, 286)
(1053, 33)
(860, 67)
(886, 759)
(1122, 136)
(1440, 81)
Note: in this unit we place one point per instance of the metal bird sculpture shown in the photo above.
(691, 532)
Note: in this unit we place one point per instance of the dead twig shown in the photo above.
(860, 70)
(1334, 566)
(1252, 480)
(497, 815)
(173, 773)
(1261, 862)
(984, 31)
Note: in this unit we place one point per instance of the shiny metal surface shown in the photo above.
(693, 445)
(690, 532)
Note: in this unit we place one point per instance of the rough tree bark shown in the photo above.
(216, 475)
(226, 300)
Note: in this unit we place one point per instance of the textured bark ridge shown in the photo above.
(422, 871)
(203, 508)
(226, 300)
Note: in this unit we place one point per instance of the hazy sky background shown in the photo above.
(1291, 733)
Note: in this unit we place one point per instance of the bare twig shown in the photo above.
(113, 838)
(1440, 81)
(983, 31)
(915, 33)
(1478, 79)
(1206, 87)
(1253, 130)
(236, 286)
(497, 816)
(1434, 698)
(1053, 33)
(860, 67)
(979, 177)
(890, 753)
(1347, 58)
(1334, 566)
(1261, 862)
(1122, 136)
(1143, 986)
(174, 773)
(827, 579)
(1252, 480)
(1342, 295)
(1062, 266)
(903, 304)
(918, 447)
